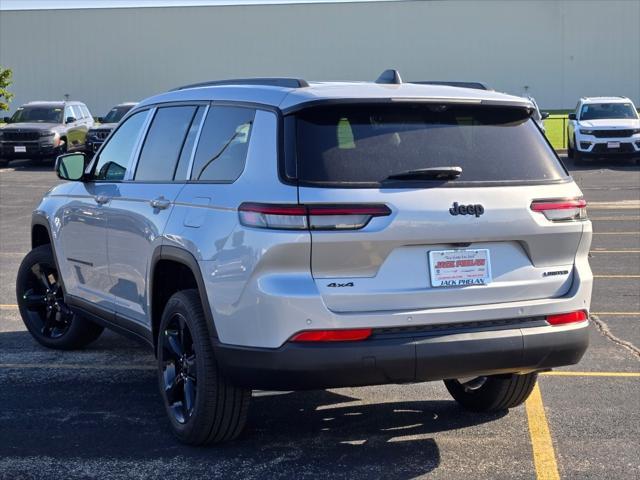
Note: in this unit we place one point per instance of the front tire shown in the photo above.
(42, 307)
(492, 393)
(203, 407)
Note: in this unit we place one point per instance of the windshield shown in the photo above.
(116, 114)
(37, 114)
(364, 144)
(601, 111)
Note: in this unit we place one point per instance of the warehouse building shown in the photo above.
(109, 51)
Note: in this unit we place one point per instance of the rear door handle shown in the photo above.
(160, 203)
(101, 199)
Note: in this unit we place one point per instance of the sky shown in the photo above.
(62, 4)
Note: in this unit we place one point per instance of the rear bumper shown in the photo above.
(403, 358)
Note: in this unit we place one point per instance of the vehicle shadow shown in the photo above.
(116, 415)
(31, 165)
(621, 164)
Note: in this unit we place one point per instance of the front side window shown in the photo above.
(224, 142)
(116, 155)
(605, 111)
(37, 115)
(78, 114)
(371, 145)
(164, 143)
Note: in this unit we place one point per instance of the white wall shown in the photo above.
(560, 49)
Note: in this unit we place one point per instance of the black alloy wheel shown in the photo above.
(43, 301)
(179, 369)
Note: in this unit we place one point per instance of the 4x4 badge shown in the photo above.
(476, 209)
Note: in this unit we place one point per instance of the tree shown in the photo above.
(5, 81)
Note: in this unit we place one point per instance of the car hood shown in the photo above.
(611, 123)
(33, 126)
(104, 126)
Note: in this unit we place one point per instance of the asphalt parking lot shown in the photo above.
(96, 413)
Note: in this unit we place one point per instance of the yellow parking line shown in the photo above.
(621, 314)
(8, 306)
(76, 366)
(631, 250)
(563, 373)
(616, 276)
(544, 457)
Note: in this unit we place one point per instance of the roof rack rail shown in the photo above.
(390, 77)
(284, 82)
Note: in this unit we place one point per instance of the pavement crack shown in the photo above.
(604, 330)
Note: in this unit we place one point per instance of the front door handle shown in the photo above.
(101, 199)
(160, 203)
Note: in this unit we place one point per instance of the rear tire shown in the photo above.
(42, 307)
(203, 407)
(492, 393)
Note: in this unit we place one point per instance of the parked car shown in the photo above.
(278, 234)
(538, 116)
(98, 133)
(43, 130)
(603, 127)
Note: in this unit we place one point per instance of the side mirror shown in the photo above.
(70, 119)
(6, 119)
(70, 166)
(544, 115)
(100, 119)
(572, 116)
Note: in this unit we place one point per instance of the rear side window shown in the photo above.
(163, 144)
(224, 142)
(362, 145)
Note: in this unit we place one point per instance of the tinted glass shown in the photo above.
(187, 149)
(77, 111)
(362, 145)
(37, 114)
(223, 145)
(85, 111)
(116, 154)
(596, 111)
(116, 114)
(163, 144)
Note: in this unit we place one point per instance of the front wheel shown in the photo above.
(203, 407)
(492, 393)
(42, 307)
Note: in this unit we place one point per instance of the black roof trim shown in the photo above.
(283, 82)
(455, 83)
(390, 77)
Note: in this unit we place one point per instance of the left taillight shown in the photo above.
(309, 217)
(561, 210)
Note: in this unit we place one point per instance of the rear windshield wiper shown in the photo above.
(431, 173)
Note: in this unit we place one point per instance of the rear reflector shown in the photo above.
(332, 335)
(564, 318)
(561, 210)
(304, 217)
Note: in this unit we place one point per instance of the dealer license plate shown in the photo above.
(457, 268)
(20, 149)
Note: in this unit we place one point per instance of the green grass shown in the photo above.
(556, 128)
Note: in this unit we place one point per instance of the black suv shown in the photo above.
(98, 134)
(44, 130)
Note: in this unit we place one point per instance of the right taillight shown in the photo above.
(564, 318)
(309, 217)
(561, 210)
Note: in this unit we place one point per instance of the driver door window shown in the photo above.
(115, 156)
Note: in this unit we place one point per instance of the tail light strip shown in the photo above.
(561, 210)
(306, 217)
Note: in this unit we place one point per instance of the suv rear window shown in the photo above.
(361, 145)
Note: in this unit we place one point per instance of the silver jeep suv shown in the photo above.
(278, 234)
